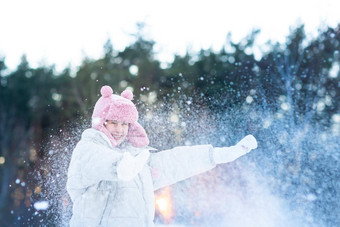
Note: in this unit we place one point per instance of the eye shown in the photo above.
(124, 123)
(111, 122)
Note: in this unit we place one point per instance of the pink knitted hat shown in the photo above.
(119, 108)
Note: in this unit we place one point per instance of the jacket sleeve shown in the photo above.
(92, 163)
(179, 163)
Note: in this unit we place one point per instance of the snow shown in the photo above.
(41, 205)
(170, 225)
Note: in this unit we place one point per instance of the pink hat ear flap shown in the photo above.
(137, 135)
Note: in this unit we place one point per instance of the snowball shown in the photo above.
(96, 120)
(41, 205)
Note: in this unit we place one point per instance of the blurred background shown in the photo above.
(286, 93)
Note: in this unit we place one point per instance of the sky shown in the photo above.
(64, 32)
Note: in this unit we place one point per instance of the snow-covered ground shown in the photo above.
(170, 225)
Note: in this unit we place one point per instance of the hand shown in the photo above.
(247, 143)
(229, 154)
(130, 166)
(141, 160)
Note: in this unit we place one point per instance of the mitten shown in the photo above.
(129, 167)
(229, 154)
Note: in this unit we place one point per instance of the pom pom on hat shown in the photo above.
(127, 94)
(106, 91)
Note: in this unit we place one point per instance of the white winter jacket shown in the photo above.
(101, 199)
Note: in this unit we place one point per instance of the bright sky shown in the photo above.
(63, 32)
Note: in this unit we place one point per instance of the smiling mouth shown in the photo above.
(117, 136)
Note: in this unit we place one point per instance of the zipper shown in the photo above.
(107, 202)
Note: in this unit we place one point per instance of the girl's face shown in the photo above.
(118, 130)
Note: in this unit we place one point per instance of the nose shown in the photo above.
(119, 128)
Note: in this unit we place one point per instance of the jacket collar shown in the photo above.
(96, 136)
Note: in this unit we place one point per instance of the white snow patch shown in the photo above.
(41, 205)
(95, 120)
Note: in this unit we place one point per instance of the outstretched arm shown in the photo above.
(171, 166)
(229, 154)
(179, 163)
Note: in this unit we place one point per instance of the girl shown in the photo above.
(112, 175)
